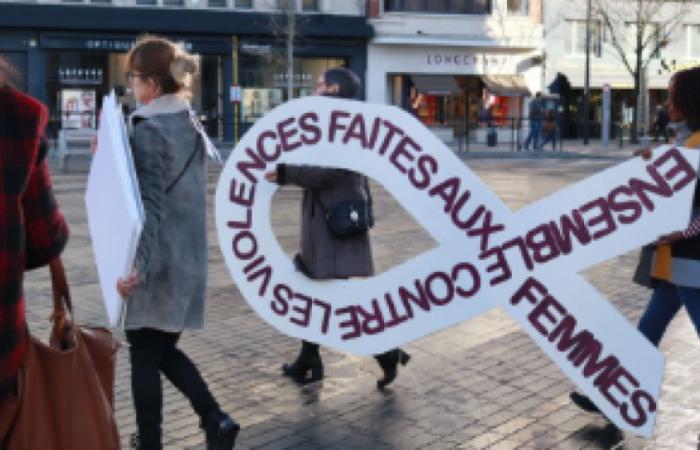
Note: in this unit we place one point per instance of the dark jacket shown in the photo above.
(32, 230)
(324, 256)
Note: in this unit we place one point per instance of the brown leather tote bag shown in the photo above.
(66, 388)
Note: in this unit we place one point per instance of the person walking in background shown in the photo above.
(535, 114)
(675, 273)
(661, 124)
(166, 291)
(324, 256)
(549, 130)
(33, 231)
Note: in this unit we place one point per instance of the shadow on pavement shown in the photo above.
(606, 436)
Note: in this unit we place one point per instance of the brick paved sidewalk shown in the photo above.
(481, 384)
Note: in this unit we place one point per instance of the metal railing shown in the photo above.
(509, 131)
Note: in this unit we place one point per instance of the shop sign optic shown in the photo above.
(526, 262)
(121, 44)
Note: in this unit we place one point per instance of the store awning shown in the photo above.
(506, 85)
(436, 85)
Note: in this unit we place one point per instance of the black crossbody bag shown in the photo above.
(350, 217)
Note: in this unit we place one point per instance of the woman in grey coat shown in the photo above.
(166, 290)
(324, 256)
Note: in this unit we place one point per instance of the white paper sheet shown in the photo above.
(114, 209)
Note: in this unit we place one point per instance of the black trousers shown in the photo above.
(153, 352)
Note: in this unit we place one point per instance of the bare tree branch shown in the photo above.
(648, 24)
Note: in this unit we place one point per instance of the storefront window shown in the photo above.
(264, 79)
(500, 110)
(439, 6)
(466, 99)
(575, 37)
(243, 4)
(309, 5)
(77, 82)
(518, 7)
(693, 39)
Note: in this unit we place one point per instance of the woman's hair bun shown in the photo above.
(183, 67)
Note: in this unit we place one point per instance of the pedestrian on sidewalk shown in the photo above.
(535, 115)
(661, 124)
(33, 231)
(323, 255)
(549, 130)
(166, 291)
(675, 273)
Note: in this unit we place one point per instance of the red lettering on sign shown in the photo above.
(632, 207)
(286, 134)
(353, 323)
(255, 162)
(311, 132)
(682, 167)
(357, 131)
(283, 295)
(500, 264)
(542, 244)
(641, 187)
(604, 217)
(304, 310)
(334, 126)
(425, 166)
(277, 149)
(569, 227)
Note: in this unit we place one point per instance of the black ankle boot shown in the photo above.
(221, 431)
(135, 443)
(309, 360)
(389, 363)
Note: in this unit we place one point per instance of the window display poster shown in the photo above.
(258, 102)
(78, 108)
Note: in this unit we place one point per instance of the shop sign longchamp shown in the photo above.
(526, 262)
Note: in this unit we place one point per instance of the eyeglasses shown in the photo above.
(131, 75)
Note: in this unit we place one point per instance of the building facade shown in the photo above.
(70, 53)
(450, 62)
(565, 45)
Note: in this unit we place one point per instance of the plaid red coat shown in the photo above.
(32, 230)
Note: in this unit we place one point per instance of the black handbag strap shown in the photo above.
(369, 202)
(189, 161)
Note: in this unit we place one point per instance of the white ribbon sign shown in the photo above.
(525, 262)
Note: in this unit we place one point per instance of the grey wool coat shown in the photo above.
(172, 253)
(324, 256)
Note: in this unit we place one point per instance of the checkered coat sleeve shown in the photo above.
(32, 230)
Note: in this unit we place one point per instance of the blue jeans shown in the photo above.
(666, 301)
(549, 137)
(534, 135)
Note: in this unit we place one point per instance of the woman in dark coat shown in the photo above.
(324, 256)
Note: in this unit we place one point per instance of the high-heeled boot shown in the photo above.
(389, 362)
(308, 361)
(221, 431)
